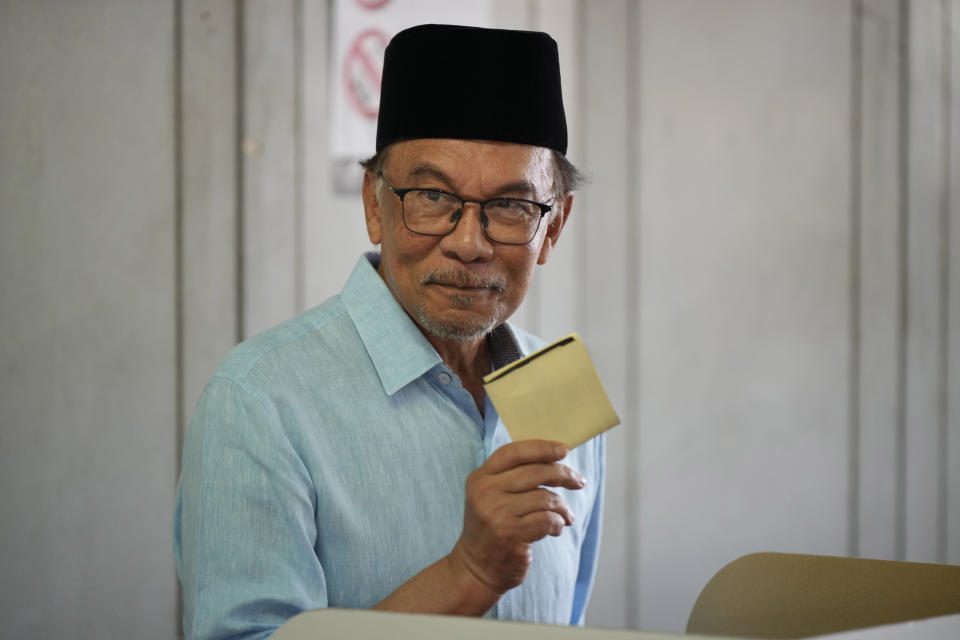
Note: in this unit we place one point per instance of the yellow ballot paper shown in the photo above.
(552, 394)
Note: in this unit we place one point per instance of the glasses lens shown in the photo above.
(436, 213)
(512, 221)
(430, 212)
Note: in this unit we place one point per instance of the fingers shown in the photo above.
(540, 524)
(542, 500)
(530, 476)
(528, 464)
(507, 507)
(524, 452)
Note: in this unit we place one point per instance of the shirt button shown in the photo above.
(444, 378)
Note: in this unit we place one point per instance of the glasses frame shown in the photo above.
(400, 193)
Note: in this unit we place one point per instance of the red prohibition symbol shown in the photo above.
(361, 72)
(372, 4)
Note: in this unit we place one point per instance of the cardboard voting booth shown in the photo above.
(765, 595)
(344, 623)
(556, 394)
(782, 595)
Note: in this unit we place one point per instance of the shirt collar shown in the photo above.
(399, 351)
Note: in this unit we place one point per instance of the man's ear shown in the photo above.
(557, 221)
(371, 208)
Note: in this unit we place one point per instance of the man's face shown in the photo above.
(462, 285)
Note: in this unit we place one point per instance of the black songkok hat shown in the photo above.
(445, 81)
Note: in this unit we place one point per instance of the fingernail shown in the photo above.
(581, 480)
(559, 450)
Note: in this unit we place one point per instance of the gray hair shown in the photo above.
(566, 177)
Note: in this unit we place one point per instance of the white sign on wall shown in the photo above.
(361, 31)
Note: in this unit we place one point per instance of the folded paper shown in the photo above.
(552, 394)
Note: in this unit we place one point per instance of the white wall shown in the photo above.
(88, 336)
(764, 268)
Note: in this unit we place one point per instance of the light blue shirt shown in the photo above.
(325, 466)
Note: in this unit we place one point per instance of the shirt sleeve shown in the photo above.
(244, 525)
(590, 548)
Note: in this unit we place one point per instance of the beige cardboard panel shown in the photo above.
(353, 623)
(776, 595)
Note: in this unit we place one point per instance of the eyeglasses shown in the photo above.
(432, 212)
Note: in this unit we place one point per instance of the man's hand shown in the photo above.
(507, 509)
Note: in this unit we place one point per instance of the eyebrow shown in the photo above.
(521, 186)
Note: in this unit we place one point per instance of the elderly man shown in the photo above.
(349, 457)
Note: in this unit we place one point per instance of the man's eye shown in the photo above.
(426, 195)
(510, 207)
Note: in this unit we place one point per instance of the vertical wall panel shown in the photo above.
(519, 14)
(549, 310)
(209, 150)
(635, 233)
(554, 289)
(269, 145)
(602, 297)
(953, 293)
(334, 231)
(512, 14)
(879, 285)
(745, 174)
(87, 332)
(926, 187)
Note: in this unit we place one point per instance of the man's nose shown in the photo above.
(468, 242)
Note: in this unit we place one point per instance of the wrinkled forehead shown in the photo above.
(480, 164)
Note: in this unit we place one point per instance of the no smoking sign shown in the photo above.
(361, 72)
(361, 31)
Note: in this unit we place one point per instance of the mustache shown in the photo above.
(463, 279)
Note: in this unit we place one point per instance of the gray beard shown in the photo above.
(451, 330)
(458, 331)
